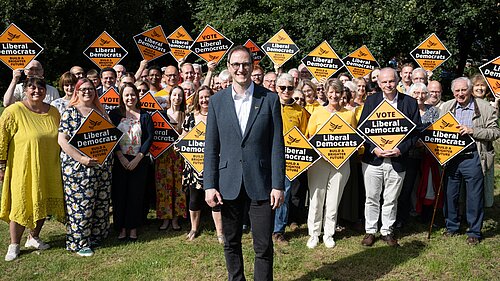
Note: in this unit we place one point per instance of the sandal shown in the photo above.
(221, 239)
(192, 235)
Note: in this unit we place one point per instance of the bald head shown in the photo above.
(34, 68)
(77, 71)
(435, 91)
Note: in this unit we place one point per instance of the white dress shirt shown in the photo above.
(242, 104)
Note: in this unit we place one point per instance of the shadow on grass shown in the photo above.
(370, 264)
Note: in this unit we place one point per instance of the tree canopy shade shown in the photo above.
(390, 28)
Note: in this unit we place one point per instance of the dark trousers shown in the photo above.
(412, 176)
(467, 167)
(127, 192)
(262, 218)
(296, 208)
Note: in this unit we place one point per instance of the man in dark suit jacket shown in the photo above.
(386, 168)
(244, 163)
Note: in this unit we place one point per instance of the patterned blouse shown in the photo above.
(130, 143)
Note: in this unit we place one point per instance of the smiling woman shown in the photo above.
(31, 190)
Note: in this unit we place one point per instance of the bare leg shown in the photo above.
(36, 232)
(218, 223)
(195, 223)
(16, 232)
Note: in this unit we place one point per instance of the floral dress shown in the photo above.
(170, 195)
(87, 192)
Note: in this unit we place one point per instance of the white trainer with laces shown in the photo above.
(329, 242)
(312, 242)
(36, 243)
(12, 252)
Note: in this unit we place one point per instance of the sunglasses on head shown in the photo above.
(288, 88)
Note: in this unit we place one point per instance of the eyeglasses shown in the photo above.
(288, 88)
(86, 89)
(142, 90)
(236, 65)
(319, 89)
(299, 99)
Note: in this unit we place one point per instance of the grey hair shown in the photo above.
(285, 77)
(419, 69)
(467, 80)
(420, 86)
(224, 75)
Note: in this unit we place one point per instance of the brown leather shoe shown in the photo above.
(368, 240)
(448, 234)
(279, 238)
(390, 240)
(294, 226)
(473, 241)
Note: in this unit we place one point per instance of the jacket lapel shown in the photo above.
(233, 118)
(254, 110)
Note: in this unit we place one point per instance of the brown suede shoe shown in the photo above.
(473, 241)
(390, 240)
(448, 234)
(280, 239)
(368, 240)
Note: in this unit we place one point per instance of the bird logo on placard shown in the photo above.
(281, 38)
(104, 42)
(362, 54)
(292, 140)
(386, 142)
(322, 51)
(431, 44)
(154, 34)
(12, 36)
(93, 124)
(212, 57)
(199, 133)
(497, 85)
(154, 147)
(445, 124)
(180, 35)
(334, 127)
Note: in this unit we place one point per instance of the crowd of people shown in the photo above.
(43, 175)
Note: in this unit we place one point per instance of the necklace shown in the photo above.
(203, 114)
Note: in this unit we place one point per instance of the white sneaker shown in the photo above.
(36, 242)
(312, 242)
(13, 252)
(329, 242)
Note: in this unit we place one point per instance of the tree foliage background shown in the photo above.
(390, 28)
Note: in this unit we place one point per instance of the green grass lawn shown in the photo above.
(167, 256)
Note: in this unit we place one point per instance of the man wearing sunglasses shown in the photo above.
(244, 164)
(292, 115)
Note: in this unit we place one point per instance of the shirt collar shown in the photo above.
(469, 106)
(248, 92)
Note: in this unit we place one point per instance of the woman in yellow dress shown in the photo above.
(29, 167)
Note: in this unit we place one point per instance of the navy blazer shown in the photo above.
(255, 159)
(147, 128)
(409, 107)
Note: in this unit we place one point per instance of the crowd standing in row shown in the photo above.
(43, 175)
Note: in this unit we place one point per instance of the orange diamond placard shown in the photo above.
(180, 41)
(105, 51)
(336, 141)
(360, 62)
(386, 126)
(431, 53)
(165, 135)
(443, 139)
(17, 49)
(192, 147)
(299, 153)
(211, 45)
(491, 73)
(96, 138)
(149, 103)
(257, 53)
(322, 62)
(280, 48)
(152, 43)
(110, 99)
